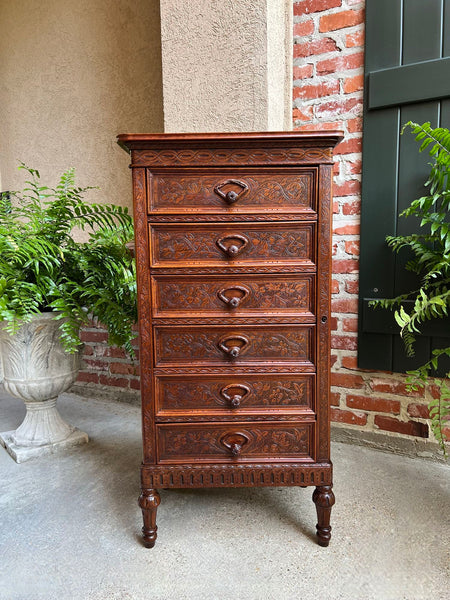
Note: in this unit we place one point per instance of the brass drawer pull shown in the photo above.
(231, 196)
(232, 395)
(233, 300)
(234, 442)
(232, 249)
(233, 345)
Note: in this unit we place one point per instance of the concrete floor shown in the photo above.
(70, 526)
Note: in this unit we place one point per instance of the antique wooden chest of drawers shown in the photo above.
(233, 261)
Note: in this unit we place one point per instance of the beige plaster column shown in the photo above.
(226, 64)
(73, 75)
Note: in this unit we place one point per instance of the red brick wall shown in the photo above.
(104, 366)
(328, 93)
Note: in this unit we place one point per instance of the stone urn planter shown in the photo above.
(37, 369)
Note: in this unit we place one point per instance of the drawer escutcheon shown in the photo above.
(233, 300)
(234, 442)
(232, 250)
(231, 196)
(233, 345)
(236, 398)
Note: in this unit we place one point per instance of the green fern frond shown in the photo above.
(439, 407)
(430, 250)
(42, 265)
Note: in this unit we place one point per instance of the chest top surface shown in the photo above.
(220, 149)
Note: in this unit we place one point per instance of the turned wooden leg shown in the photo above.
(149, 501)
(323, 498)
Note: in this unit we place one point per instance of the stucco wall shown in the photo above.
(224, 67)
(73, 75)
(279, 64)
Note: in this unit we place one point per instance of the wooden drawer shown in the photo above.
(232, 191)
(242, 244)
(197, 396)
(213, 296)
(237, 345)
(231, 442)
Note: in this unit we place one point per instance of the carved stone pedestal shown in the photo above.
(24, 452)
(37, 369)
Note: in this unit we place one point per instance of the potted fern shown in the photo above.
(431, 261)
(50, 285)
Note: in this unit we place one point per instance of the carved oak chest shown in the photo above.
(233, 261)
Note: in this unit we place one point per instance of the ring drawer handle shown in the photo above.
(231, 196)
(234, 442)
(233, 301)
(234, 399)
(233, 345)
(230, 249)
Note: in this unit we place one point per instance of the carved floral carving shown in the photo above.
(274, 392)
(292, 243)
(263, 294)
(264, 343)
(264, 190)
(262, 440)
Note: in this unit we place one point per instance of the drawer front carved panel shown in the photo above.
(233, 296)
(232, 245)
(217, 443)
(235, 394)
(239, 345)
(240, 191)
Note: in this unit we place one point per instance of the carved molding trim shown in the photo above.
(306, 368)
(324, 309)
(229, 156)
(261, 475)
(230, 270)
(144, 296)
(298, 320)
(269, 216)
(251, 417)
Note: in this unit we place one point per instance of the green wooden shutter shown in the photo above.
(407, 77)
